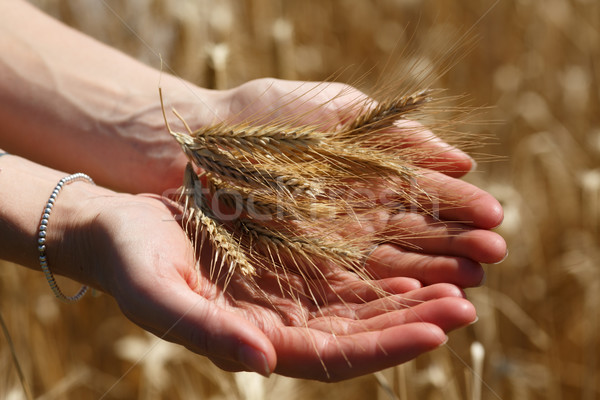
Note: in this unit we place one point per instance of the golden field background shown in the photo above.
(536, 63)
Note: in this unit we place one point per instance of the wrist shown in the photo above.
(70, 240)
(140, 141)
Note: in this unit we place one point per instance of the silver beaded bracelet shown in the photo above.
(42, 238)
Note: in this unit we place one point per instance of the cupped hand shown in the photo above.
(142, 257)
(262, 101)
(327, 105)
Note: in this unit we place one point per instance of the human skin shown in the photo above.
(69, 103)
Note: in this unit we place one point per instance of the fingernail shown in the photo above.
(473, 165)
(503, 258)
(475, 320)
(483, 279)
(254, 359)
(444, 342)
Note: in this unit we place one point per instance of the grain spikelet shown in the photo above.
(224, 165)
(305, 246)
(249, 139)
(201, 225)
(387, 112)
(260, 205)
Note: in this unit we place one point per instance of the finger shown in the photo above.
(361, 291)
(312, 354)
(455, 200)
(448, 313)
(227, 365)
(384, 304)
(407, 300)
(389, 260)
(409, 137)
(172, 311)
(431, 151)
(422, 234)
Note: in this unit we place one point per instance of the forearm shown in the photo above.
(72, 103)
(24, 190)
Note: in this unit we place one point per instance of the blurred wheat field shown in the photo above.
(536, 63)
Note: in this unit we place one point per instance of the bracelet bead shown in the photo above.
(42, 232)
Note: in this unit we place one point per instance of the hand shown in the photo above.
(140, 255)
(326, 105)
(259, 102)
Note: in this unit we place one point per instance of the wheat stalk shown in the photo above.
(307, 182)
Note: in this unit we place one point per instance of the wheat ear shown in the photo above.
(250, 139)
(201, 225)
(386, 112)
(297, 169)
